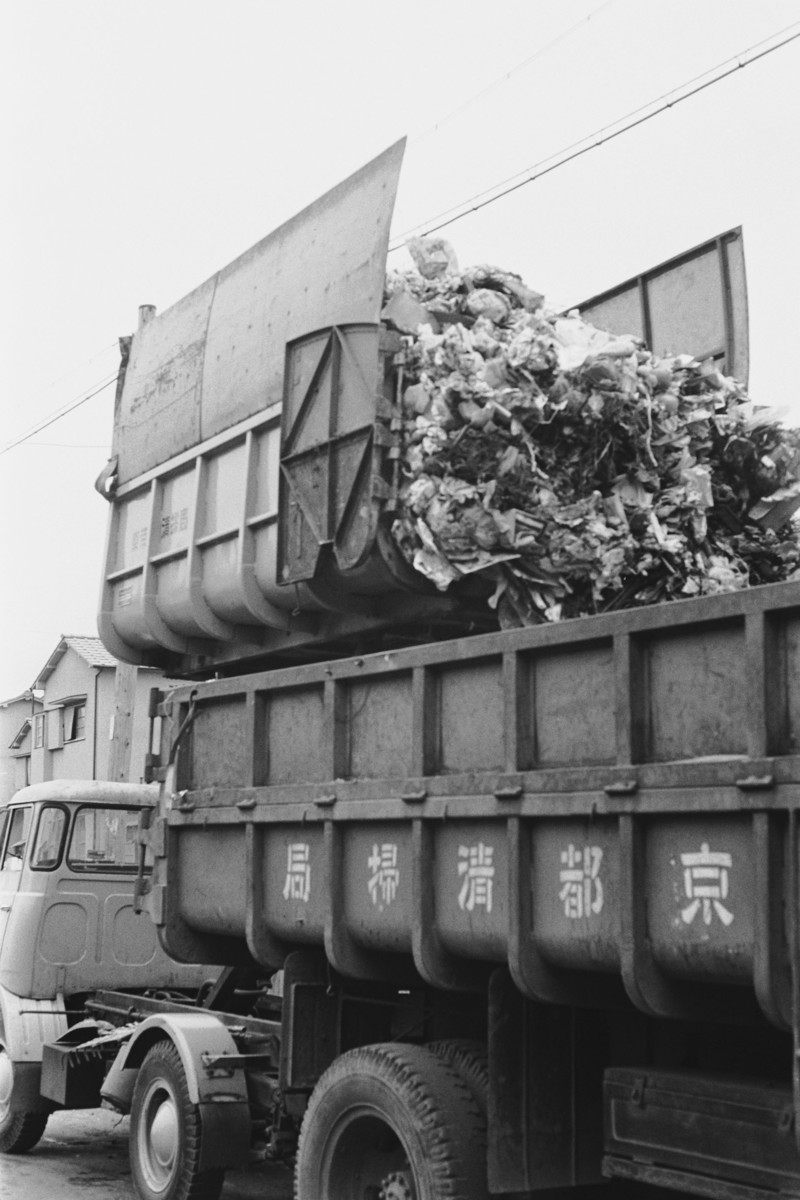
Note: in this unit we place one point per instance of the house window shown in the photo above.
(74, 722)
(22, 770)
(38, 731)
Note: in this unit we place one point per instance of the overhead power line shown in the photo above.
(71, 445)
(489, 196)
(503, 79)
(600, 137)
(61, 412)
(86, 363)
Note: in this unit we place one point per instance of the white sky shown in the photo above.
(148, 144)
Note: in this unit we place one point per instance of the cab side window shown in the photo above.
(49, 838)
(104, 839)
(19, 828)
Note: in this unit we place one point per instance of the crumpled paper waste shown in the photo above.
(571, 469)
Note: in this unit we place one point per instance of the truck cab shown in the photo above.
(68, 868)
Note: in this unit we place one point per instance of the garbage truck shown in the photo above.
(496, 911)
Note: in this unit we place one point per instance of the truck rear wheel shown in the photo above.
(19, 1131)
(392, 1122)
(165, 1134)
(470, 1060)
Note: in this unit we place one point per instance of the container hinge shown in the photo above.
(153, 835)
(325, 801)
(143, 835)
(513, 792)
(414, 797)
(153, 771)
(756, 783)
(622, 787)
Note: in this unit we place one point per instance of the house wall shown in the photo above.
(13, 774)
(61, 755)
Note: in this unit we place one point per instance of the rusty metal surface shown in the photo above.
(730, 1130)
(217, 356)
(434, 811)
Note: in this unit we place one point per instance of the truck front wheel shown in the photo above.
(19, 1131)
(392, 1122)
(165, 1133)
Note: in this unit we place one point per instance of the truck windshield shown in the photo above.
(104, 839)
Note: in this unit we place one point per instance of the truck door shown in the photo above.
(15, 825)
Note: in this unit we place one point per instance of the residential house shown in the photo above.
(61, 728)
(16, 725)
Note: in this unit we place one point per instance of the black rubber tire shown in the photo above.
(19, 1131)
(471, 1061)
(165, 1133)
(391, 1122)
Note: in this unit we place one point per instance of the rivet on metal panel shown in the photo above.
(508, 793)
(414, 797)
(756, 783)
(325, 801)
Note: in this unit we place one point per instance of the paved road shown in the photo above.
(84, 1156)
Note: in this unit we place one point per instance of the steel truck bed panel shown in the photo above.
(255, 472)
(614, 796)
(724, 1130)
(217, 356)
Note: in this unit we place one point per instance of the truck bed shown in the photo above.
(608, 802)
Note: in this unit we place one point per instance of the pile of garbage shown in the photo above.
(571, 469)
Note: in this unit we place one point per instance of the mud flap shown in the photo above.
(226, 1134)
(545, 1092)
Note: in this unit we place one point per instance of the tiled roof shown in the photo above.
(23, 696)
(91, 650)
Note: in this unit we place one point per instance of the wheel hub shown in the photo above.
(158, 1138)
(397, 1186)
(164, 1135)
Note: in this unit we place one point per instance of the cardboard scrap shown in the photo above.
(572, 469)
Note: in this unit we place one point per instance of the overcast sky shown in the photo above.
(151, 143)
